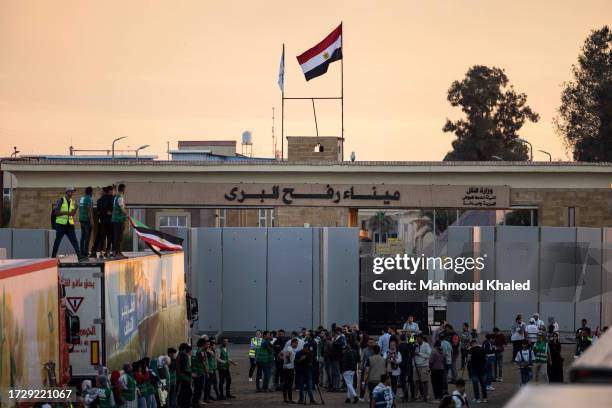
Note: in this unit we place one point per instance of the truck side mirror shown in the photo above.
(192, 309)
(75, 330)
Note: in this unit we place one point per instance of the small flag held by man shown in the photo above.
(315, 61)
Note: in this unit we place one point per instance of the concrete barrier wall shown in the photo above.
(271, 278)
(570, 270)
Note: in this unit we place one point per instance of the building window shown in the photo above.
(262, 218)
(520, 216)
(571, 216)
(272, 218)
(220, 217)
(173, 221)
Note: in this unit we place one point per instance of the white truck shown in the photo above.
(127, 308)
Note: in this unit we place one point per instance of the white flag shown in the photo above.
(281, 71)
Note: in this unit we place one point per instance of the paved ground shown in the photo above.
(247, 397)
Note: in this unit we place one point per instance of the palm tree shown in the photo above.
(381, 223)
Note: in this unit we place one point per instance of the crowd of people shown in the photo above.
(344, 359)
(108, 218)
(187, 377)
(374, 370)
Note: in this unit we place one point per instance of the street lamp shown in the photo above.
(113, 147)
(518, 139)
(497, 158)
(549, 155)
(140, 148)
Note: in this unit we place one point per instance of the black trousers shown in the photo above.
(407, 381)
(225, 379)
(278, 373)
(211, 385)
(184, 394)
(67, 230)
(117, 236)
(437, 383)
(288, 377)
(104, 237)
(198, 387)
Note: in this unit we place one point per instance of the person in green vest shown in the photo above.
(105, 395)
(264, 357)
(223, 364)
(86, 220)
(199, 370)
(150, 366)
(184, 376)
(127, 383)
(172, 401)
(542, 359)
(118, 219)
(64, 211)
(211, 373)
(253, 346)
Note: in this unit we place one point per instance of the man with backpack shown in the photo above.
(455, 342)
(524, 358)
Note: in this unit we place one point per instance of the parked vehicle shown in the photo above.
(128, 309)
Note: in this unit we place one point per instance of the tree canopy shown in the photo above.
(494, 113)
(585, 115)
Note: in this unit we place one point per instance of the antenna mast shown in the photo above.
(273, 136)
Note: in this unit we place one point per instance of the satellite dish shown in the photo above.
(352, 156)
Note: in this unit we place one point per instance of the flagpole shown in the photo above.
(342, 87)
(283, 111)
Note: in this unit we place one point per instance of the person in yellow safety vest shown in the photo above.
(64, 211)
(253, 346)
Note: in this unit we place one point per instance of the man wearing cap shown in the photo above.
(64, 211)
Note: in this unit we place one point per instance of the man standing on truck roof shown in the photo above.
(64, 211)
(118, 219)
(104, 233)
(86, 220)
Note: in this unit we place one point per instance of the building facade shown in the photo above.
(323, 194)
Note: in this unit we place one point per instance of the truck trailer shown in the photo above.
(128, 309)
(35, 333)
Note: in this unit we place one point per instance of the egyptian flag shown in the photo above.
(315, 61)
(156, 240)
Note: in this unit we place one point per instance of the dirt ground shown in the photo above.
(247, 397)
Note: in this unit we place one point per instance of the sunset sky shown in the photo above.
(83, 72)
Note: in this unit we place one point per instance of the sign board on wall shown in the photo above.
(319, 195)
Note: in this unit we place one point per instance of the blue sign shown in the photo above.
(127, 317)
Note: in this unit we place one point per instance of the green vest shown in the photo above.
(171, 376)
(540, 352)
(118, 215)
(224, 355)
(105, 398)
(263, 354)
(185, 372)
(67, 206)
(129, 394)
(84, 205)
(197, 365)
(212, 361)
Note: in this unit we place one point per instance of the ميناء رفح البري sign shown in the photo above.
(320, 195)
